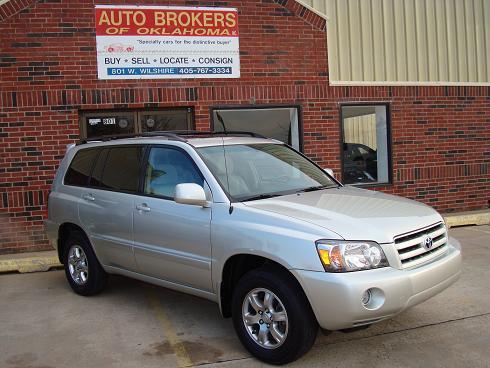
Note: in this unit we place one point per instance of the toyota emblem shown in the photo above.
(427, 242)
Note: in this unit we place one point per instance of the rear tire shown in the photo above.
(83, 271)
(272, 316)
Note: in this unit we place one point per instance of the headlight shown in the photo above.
(347, 256)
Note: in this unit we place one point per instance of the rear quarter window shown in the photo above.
(80, 167)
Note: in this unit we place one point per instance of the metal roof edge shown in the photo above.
(309, 7)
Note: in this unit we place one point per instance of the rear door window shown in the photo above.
(96, 178)
(122, 168)
(79, 171)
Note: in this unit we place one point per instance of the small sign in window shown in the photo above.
(109, 121)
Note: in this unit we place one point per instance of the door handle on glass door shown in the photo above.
(143, 207)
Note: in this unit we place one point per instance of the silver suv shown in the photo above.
(251, 224)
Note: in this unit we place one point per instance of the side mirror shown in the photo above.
(190, 193)
(329, 172)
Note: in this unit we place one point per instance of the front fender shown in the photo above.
(287, 241)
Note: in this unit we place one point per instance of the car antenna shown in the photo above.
(230, 210)
(222, 122)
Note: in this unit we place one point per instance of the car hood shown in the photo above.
(354, 214)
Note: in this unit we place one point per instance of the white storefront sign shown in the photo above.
(149, 42)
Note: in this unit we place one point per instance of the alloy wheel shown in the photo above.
(78, 265)
(265, 318)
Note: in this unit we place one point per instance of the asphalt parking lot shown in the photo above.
(44, 324)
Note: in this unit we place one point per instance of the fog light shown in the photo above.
(366, 297)
(373, 298)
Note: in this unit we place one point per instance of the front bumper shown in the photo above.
(336, 297)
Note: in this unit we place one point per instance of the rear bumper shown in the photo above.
(336, 298)
(51, 230)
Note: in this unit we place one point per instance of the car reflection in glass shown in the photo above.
(360, 163)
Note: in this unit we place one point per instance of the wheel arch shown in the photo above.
(239, 264)
(63, 232)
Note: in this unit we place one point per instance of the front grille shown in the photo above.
(412, 251)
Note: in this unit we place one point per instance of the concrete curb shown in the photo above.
(47, 260)
(467, 218)
(29, 262)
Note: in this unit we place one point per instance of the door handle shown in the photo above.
(89, 197)
(143, 207)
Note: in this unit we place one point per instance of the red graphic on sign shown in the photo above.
(117, 47)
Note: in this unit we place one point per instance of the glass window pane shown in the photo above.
(80, 167)
(165, 120)
(166, 168)
(262, 169)
(277, 123)
(365, 144)
(109, 124)
(121, 170)
(96, 178)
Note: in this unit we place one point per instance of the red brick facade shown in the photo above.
(440, 135)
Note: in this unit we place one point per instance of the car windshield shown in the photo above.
(258, 171)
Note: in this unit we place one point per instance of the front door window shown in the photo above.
(166, 168)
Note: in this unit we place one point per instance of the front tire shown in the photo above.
(272, 316)
(83, 271)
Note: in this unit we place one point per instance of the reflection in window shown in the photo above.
(365, 144)
(166, 120)
(166, 168)
(278, 123)
(261, 169)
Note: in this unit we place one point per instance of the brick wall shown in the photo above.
(441, 135)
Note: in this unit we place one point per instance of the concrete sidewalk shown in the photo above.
(44, 261)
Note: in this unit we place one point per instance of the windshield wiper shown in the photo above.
(317, 187)
(260, 196)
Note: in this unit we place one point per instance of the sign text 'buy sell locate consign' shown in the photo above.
(136, 42)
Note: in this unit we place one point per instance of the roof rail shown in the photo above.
(214, 133)
(105, 138)
(171, 134)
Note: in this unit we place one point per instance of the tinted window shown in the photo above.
(96, 178)
(80, 167)
(166, 168)
(113, 122)
(121, 169)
